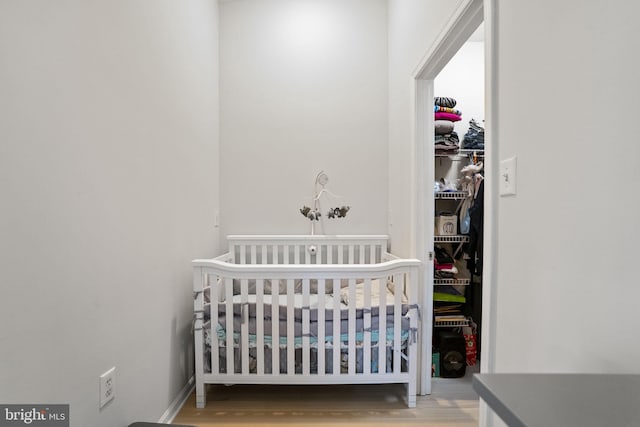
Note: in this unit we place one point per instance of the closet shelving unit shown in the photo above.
(457, 198)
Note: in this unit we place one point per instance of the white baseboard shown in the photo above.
(178, 402)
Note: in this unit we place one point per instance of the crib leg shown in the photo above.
(201, 394)
(411, 394)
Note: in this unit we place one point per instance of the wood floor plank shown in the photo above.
(453, 403)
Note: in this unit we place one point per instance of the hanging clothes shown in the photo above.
(476, 229)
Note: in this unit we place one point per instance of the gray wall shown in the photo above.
(303, 88)
(109, 183)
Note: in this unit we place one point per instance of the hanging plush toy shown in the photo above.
(338, 212)
(313, 215)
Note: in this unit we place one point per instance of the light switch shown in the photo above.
(508, 177)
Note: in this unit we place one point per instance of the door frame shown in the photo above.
(463, 22)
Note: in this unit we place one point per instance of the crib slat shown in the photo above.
(340, 253)
(200, 283)
(274, 255)
(228, 282)
(366, 348)
(243, 254)
(285, 258)
(361, 253)
(336, 327)
(321, 324)
(352, 257)
(411, 281)
(352, 327)
(233, 248)
(275, 330)
(260, 326)
(306, 351)
(244, 325)
(382, 326)
(215, 344)
(254, 257)
(397, 323)
(291, 349)
(330, 254)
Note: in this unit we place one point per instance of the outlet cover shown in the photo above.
(107, 386)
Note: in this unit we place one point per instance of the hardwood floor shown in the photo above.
(453, 403)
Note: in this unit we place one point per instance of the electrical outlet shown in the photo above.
(107, 386)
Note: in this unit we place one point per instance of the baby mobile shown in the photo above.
(314, 213)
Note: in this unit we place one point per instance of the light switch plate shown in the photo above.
(508, 177)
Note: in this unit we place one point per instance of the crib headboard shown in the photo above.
(308, 249)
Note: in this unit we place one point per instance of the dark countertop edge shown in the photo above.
(495, 404)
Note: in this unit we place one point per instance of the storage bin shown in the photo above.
(446, 225)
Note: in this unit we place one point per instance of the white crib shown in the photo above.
(273, 309)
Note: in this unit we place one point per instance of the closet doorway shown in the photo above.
(465, 20)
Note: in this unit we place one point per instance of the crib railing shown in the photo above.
(308, 249)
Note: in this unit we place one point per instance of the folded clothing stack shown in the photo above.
(444, 264)
(474, 138)
(446, 139)
(445, 268)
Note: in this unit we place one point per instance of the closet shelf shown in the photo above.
(451, 195)
(451, 239)
(464, 282)
(448, 323)
(461, 154)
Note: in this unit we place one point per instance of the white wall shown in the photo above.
(303, 88)
(462, 79)
(413, 26)
(108, 176)
(567, 287)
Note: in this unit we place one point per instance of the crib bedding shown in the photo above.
(316, 300)
(267, 321)
(245, 309)
(313, 325)
(314, 349)
(313, 340)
